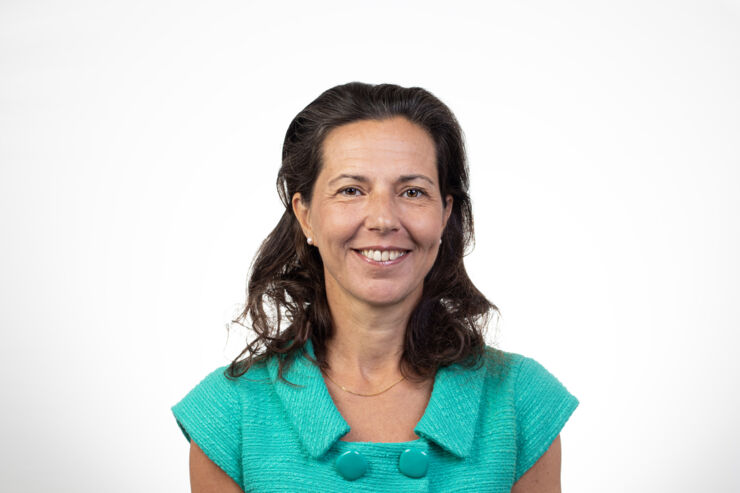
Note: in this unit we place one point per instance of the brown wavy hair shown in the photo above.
(286, 298)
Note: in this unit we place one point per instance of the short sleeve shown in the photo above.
(210, 414)
(543, 406)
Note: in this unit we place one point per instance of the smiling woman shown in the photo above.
(369, 370)
(377, 227)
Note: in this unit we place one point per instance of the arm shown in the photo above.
(207, 477)
(544, 475)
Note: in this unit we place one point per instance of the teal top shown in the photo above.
(483, 428)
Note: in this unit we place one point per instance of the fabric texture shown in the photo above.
(483, 428)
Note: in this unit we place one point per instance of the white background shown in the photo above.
(139, 144)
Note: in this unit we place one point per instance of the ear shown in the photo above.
(447, 211)
(300, 209)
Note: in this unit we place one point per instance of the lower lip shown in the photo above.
(382, 262)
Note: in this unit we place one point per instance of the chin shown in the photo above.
(383, 302)
(385, 297)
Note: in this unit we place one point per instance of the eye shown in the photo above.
(413, 193)
(350, 191)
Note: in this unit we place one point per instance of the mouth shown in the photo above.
(382, 256)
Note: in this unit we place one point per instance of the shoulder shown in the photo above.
(528, 385)
(516, 370)
(212, 413)
(209, 415)
(221, 384)
(218, 401)
(538, 402)
(501, 367)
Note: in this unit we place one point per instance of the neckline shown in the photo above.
(416, 424)
(449, 418)
(309, 349)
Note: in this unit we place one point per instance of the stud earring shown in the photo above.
(440, 241)
(309, 241)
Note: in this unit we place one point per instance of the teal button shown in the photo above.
(413, 463)
(351, 465)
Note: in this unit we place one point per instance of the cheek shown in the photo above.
(426, 228)
(335, 225)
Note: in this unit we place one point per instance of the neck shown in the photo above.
(367, 345)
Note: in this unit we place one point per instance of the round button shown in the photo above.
(351, 465)
(413, 463)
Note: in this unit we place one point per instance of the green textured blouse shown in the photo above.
(483, 428)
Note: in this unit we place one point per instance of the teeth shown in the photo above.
(382, 256)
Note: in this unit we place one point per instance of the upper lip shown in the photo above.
(383, 248)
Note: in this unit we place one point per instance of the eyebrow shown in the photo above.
(406, 178)
(362, 179)
(359, 178)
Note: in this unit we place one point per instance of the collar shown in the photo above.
(449, 419)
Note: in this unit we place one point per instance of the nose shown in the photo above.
(382, 214)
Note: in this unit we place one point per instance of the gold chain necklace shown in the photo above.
(357, 393)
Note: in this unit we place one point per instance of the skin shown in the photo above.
(544, 475)
(377, 189)
(206, 476)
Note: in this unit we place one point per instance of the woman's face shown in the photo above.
(376, 215)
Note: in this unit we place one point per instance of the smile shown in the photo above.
(382, 255)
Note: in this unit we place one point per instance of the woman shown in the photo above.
(369, 371)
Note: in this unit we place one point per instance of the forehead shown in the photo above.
(393, 145)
